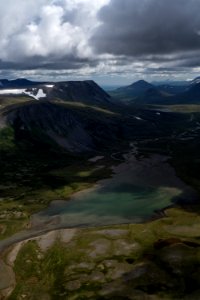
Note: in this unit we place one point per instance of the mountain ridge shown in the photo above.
(87, 91)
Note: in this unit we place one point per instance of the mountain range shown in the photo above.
(88, 92)
(17, 83)
(79, 116)
(142, 92)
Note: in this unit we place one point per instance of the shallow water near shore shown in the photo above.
(137, 189)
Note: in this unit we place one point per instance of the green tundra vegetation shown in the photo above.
(155, 260)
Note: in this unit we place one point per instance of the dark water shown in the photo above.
(137, 189)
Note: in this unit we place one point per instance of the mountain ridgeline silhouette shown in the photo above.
(87, 91)
(79, 116)
(142, 92)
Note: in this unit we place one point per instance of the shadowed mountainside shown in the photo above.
(83, 91)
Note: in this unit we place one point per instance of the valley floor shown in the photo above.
(155, 260)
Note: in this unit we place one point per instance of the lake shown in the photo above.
(137, 189)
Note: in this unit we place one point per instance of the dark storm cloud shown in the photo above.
(148, 27)
(49, 63)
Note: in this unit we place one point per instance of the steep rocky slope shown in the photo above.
(72, 128)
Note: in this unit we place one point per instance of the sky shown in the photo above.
(114, 42)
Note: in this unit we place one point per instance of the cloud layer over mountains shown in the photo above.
(100, 36)
(42, 32)
(148, 27)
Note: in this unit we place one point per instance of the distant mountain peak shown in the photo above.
(18, 83)
(141, 84)
(136, 89)
(20, 80)
(196, 80)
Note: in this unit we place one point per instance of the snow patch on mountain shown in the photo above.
(138, 118)
(12, 92)
(40, 94)
(49, 86)
(35, 93)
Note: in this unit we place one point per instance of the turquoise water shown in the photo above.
(137, 189)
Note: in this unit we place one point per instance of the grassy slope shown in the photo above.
(9, 100)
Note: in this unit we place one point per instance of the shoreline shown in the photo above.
(33, 234)
(41, 229)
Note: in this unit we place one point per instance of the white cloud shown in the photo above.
(56, 28)
(51, 39)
